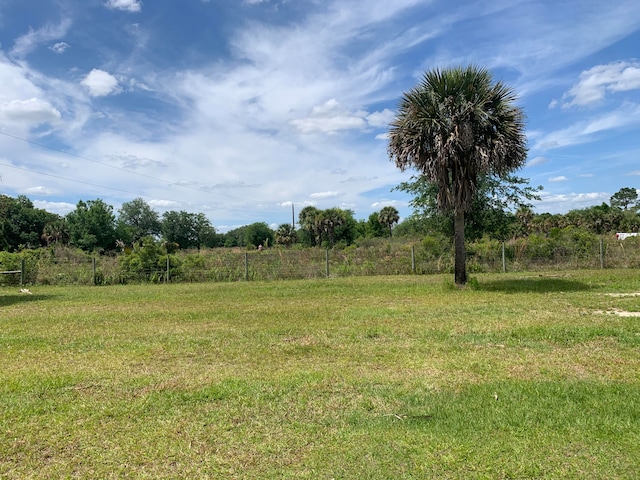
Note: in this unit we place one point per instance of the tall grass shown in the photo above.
(570, 249)
(519, 376)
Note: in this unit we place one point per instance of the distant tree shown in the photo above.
(330, 220)
(136, 219)
(286, 235)
(490, 210)
(388, 217)
(188, 230)
(92, 225)
(346, 232)
(327, 227)
(455, 126)
(413, 226)
(56, 232)
(624, 198)
(258, 233)
(525, 217)
(372, 227)
(21, 224)
(310, 222)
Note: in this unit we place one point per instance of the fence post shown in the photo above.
(504, 260)
(413, 259)
(327, 262)
(22, 273)
(246, 266)
(166, 278)
(93, 267)
(601, 254)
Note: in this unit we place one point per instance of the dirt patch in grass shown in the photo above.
(618, 312)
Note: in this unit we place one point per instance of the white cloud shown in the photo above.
(561, 203)
(33, 111)
(537, 161)
(597, 81)
(59, 47)
(61, 208)
(388, 203)
(39, 190)
(101, 83)
(585, 131)
(332, 116)
(634, 173)
(132, 162)
(331, 194)
(380, 119)
(164, 204)
(127, 5)
(31, 40)
(560, 178)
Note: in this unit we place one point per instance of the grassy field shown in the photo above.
(518, 376)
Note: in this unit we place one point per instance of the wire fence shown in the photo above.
(66, 267)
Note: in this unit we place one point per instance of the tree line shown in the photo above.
(500, 210)
(94, 226)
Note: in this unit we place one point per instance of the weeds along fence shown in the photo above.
(431, 255)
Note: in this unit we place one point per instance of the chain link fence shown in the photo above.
(430, 256)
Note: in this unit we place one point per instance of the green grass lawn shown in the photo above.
(518, 376)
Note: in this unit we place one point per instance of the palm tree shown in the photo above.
(286, 235)
(454, 126)
(388, 216)
(330, 220)
(56, 232)
(309, 221)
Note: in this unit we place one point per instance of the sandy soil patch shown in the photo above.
(618, 312)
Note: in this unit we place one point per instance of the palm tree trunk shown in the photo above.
(460, 253)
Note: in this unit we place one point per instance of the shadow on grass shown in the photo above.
(539, 285)
(11, 299)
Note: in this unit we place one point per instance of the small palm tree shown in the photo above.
(309, 219)
(454, 126)
(388, 217)
(56, 232)
(286, 235)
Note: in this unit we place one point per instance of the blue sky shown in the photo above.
(239, 109)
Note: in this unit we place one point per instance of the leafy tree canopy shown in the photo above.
(21, 224)
(92, 225)
(136, 219)
(491, 211)
(188, 230)
(624, 198)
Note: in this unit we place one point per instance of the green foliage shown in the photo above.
(388, 217)
(490, 211)
(371, 228)
(136, 219)
(624, 198)
(286, 235)
(189, 230)
(14, 261)
(92, 226)
(327, 227)
(22, 225)
(145, 261)
(257, 234)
